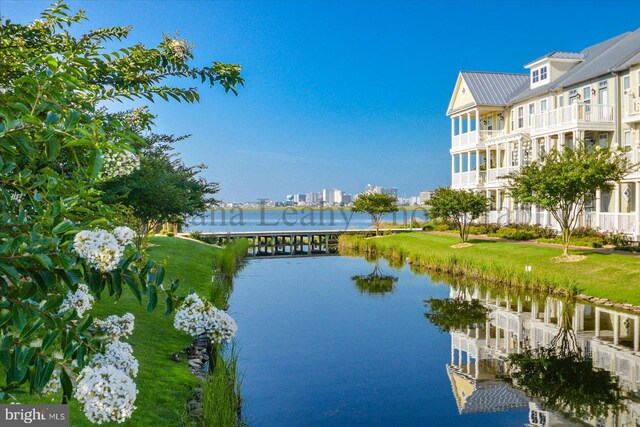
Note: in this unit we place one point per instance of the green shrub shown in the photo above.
(629, 248)
(196, 235)
(580, 232)
(513, 234)
(616, 238)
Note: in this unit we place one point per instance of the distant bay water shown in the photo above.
(294, 219)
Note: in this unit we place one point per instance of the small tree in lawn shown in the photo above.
(376, 205)
(461, 207)
(163, 189)
(563, 182)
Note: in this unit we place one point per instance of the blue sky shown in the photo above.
(338, 93)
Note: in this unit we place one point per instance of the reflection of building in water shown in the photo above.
(610, 337)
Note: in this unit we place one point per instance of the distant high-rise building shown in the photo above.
(346, 199)
(300, 198)
(391, 191)
(328, 195)
(313, 198)
(425, 196)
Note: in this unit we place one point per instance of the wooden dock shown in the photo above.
(287, 243)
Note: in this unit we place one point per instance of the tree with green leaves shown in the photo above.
(564, 181)
(163, 189)
(376, 205)
(451, 314)
(461, 207)
(375, 283)
(61, 245)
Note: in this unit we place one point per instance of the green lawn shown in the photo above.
(163, 384)
(612, 276)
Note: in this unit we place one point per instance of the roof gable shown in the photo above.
(485, 88)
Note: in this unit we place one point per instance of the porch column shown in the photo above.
(453, 166)
(460, 163)
(636, 334)
(637, 200)
(459, 125)
(534, 215)
(597, 333)
(616, 192)
(508, 154)
(596, 223)
(468, 163)
(561, 141)
(616, 329)
(477, 165)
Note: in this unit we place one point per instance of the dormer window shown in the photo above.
(539, 76)
(543, 73)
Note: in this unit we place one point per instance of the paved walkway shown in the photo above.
(606, 251)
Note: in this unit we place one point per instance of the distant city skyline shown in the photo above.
(338, 94)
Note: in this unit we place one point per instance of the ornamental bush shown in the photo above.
(61, 246)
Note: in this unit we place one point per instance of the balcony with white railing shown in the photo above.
(484, 135)
(465, 139)
(464, 179)
(494, 175)
(593, 116)
(623, 222)
(631, 110)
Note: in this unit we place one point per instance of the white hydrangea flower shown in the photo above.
(99, 247)
(119, 355)
(118, 163)
(117, 326)
(226, 327)
(124, 235)
(197, 317)
(108, 394)
(54, 383)
(81, 300)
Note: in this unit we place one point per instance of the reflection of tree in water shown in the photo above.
(375, 283)
(449, 314)
(562, 378)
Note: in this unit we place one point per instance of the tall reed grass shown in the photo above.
(221, 400)
(455, 265)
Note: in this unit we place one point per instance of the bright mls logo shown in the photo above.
(35, 415)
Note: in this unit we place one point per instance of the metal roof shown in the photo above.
(557, 54)
(493, 88)
(599, 59)
(615, 54)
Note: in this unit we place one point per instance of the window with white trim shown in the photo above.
(543, 105)
(532, 111)
(535, 76)
(543, 73)
(586, 94)
(626, 142)
(520, 117)
(626, 83)
(560, 101)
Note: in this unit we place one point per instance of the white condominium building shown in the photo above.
(502, 121)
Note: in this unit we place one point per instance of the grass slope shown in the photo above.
(612, 276)
(163, 384)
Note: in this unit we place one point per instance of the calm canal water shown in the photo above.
(319, 349)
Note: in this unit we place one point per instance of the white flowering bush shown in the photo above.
(118, 163)
(99, 248)
(197, 317)
(107, 394)
(49, 244)
(119, 355)
(124, 235)
(81, 300)
(117, 326)
(54, 383)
